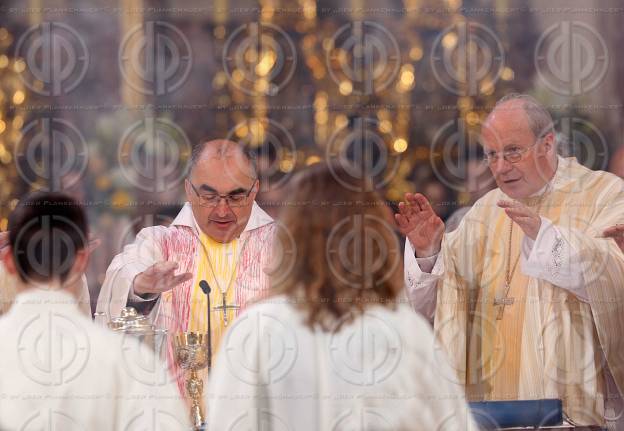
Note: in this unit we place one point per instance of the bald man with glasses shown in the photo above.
(220, 236)
(526, 294)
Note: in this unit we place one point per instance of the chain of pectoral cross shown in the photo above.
(509, 272)
(224, 307)
(506, 300)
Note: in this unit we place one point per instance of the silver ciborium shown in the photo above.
(132, 323)
(191, 354)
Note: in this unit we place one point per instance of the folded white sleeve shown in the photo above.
(421, 278)
(551, 258)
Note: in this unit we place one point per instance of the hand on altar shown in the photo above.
(159, 278)
(523, 216)
(617, 233)
(420, 224)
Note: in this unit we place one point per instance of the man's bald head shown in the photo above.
(518, 139)
(223, 150)
(538, 118)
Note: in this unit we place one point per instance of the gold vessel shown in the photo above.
(191, 354)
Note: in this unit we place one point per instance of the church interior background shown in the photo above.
(105, 99)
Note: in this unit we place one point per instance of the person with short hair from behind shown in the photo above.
(333, 346)
(59, 370)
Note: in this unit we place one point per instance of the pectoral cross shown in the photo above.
(224, 307)
(502, 302)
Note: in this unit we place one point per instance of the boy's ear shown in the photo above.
(74, 278)
(81, 262)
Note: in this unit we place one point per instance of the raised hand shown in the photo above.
(159, 278)
(420, 224)
(523, 216)
(617, 233)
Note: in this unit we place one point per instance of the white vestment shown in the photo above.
(571, 295)
(378, 372)
(60, 371)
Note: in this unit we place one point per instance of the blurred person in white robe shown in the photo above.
(334, 346)
(59, 370)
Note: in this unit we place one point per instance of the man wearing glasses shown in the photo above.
(221, 236)
(526, 295)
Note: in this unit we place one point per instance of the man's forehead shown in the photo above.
(509, 114)
(505, 125)
(493, 139)
(218, 157)
(220, 149)
(221, 176)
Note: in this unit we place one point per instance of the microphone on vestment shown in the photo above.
(205, 287)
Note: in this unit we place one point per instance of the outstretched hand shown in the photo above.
(159, 278)
(420, 224)
(617, 233)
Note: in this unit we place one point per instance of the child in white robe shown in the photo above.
(59, 370)
(334, 346)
